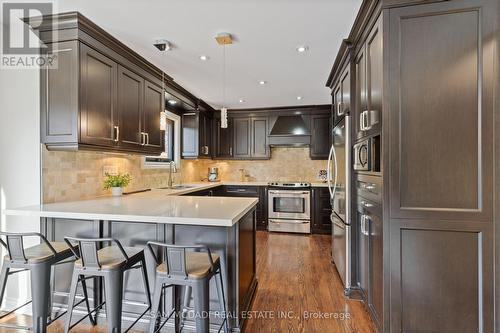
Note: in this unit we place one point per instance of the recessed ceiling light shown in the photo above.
(299, 98)
(262, 82)
(204, 58)
(172, 101)
(241, 101)
(302, 49)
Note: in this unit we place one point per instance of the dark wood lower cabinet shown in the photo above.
(248, 191)
(321, 210)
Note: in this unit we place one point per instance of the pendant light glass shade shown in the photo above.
(163, 121)
(223, 118)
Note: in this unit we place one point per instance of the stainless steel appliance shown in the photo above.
(289, 206)
(339, 180)
(362, 155)
(213, 174)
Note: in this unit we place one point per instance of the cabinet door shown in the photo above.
(153, 105)
(321, 222)
(374, 70)
(375, 298)
(241, 147)
(337, 103)
(345, 83)
(98, 98)
(259, 147)
(130, 102)
(190, 141)
(320, 136)
(361, 93)
(205, 135)
(363, 241)
(223, 139)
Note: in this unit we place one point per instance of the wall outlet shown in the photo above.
(109, 169)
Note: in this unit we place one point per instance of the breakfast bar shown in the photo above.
(226, 225)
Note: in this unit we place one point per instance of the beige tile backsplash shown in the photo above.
(78, 175)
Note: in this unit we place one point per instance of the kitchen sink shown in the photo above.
(178, 187)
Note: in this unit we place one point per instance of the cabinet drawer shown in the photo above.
(369, 187)
(243, 191)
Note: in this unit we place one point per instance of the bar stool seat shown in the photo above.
(42, 252)
(197, 265)
(111, 257)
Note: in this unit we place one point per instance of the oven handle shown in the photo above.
(289, 222)
(299, 193)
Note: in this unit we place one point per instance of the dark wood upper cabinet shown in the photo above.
(259, 147)
(130, 105)
(321, 126)
(153, 101)
(242, 139)
(98, 98)
(102, 95)
(196, 135)
(369, 83)
(223, 139)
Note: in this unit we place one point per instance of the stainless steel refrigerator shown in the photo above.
(339, 179)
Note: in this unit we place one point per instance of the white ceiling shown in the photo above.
(267, 33)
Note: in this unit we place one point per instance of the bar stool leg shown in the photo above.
(71, 300)
(113, 280)
(155, 305)
(146, 282)
(40, 293)
(3, 281)
(93, 320)
(185, 304)
(201, 304)
(222, 300)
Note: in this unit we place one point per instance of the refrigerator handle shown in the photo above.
(335, 172)
(328, 175)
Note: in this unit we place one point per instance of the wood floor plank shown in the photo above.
(296, 276)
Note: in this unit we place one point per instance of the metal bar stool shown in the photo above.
(39, 260)
(111, 263)
(192, 270)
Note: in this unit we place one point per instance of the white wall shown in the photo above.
(19, 159)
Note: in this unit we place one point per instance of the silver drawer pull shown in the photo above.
(366, 204)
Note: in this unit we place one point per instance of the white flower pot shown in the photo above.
(117, 191)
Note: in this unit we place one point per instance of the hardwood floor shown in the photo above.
(296, 278)
(295, 274)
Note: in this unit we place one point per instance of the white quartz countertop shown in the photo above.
(148, 207)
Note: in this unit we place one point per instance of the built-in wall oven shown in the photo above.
(289, 207)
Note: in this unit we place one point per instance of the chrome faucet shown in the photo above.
(172, 168)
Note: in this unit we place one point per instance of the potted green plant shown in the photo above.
(116, 183)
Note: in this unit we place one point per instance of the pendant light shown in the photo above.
(223, 39)
(163, 46)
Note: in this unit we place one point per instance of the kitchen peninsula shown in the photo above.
(226, 225)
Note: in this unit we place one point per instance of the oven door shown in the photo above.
(289, 204)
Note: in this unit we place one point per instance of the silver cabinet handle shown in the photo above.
(370, 187)
(143, 138)
(147, 138)
(117, 133)
(362, 121)
(230, 151)
(366, 204)
(339, 109)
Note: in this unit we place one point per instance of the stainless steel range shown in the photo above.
(289, 205)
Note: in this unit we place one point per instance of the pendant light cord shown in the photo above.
(224, 76)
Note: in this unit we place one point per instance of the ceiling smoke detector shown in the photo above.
(162, 44)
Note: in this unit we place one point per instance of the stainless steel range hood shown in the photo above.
(292, 130)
